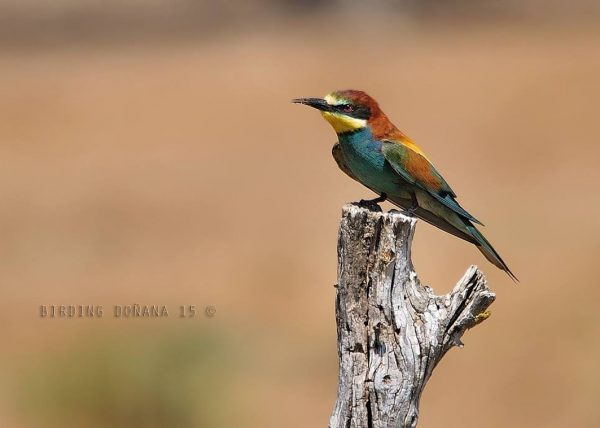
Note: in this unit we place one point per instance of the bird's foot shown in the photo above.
(410, 212)
(372, 204)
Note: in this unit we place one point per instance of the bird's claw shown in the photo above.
(369, 203)
(366, 202)
(410, 212)
(372, 203)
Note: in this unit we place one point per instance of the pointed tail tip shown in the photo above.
(511, 275)
(488, 251)
(496, 260)
(500, 264)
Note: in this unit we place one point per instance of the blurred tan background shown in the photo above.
(150, 155)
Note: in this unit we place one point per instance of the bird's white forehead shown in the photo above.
(332, 100)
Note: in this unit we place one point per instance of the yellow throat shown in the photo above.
(342, 123)
(339, 121)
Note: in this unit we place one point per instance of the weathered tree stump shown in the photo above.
(392, 330)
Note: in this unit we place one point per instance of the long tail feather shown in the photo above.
(466, 231)
(488, 251)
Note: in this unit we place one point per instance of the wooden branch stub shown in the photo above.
(392, 331)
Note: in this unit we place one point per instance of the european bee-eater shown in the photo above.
(374, 152)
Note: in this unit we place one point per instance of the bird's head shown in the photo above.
(347, 111)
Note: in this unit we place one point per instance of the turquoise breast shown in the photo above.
(364, 158)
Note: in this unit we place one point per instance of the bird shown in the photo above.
(373, 151)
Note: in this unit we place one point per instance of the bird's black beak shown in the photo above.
(317, 103)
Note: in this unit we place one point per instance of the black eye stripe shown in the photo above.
(358, 112)
(344, 108)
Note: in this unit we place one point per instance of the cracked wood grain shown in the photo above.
(392, 330)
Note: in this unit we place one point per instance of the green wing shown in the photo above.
(417, 170)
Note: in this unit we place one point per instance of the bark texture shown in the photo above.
(392, 330)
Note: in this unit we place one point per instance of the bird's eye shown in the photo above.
(347, 108)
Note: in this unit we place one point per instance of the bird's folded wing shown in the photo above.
(417, 170)
(338, 155)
